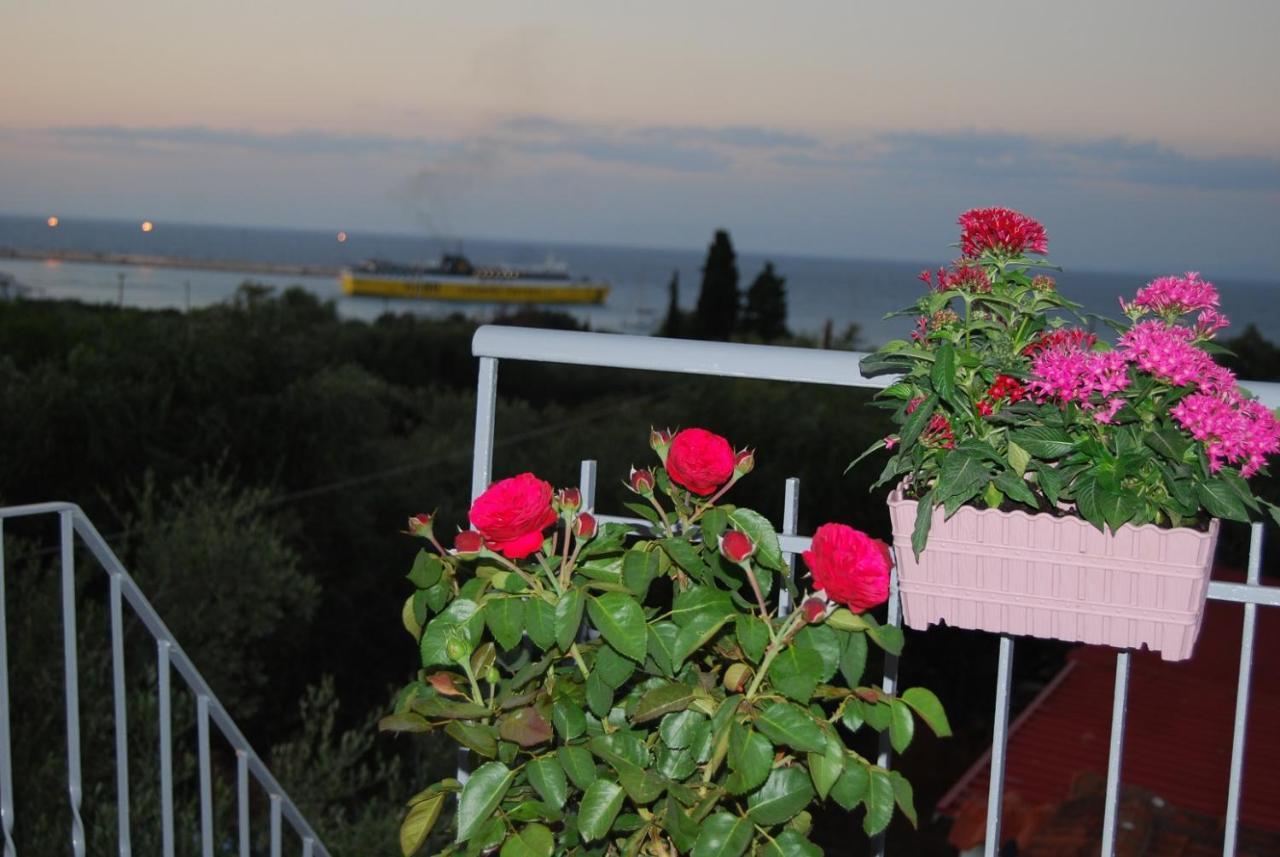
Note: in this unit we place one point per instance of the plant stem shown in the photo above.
(755, 587)
(789, 629)
(577, 659)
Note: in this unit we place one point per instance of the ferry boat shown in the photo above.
(454, 278)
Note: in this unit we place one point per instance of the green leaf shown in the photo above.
(1086, 497)
(677, 728)
(714, 522)
(682, 829)
(620, 621)
(924, 520)
(786, 792)
(887, 637)
(675, 764)
(825, 768)
(568, 618)
(789, 843)
(417, 824)
(753, 636)
(902, 725)
(787, 723)
(578, 764)
(851, 788)
(1221, 501)
(598, 809)
(1170, 443)
(613, 667)
(723, 835)
(599, 696)
(1118, 507)
(1019, 458)
(480, 797)
(462, 613)
(639, 568)
(662, 645)
(943, 374)
(904, 797)
(405, 721)
(826, 643)
(539, 618)
(926, 705)
(548, 779)
(757, 526)
(853, 658)
(525, 726)
(701, 600)
(426, 571)
(686, 556)
(1015, 487)
(663, 700)
(568, 719)
(916, 421)
(1043, 441)
(877, 714)
(479, 737)
(696, 633)
(796, 673)
(1050, 482)
(962, 476)
(879, 801)
(750, 758)
(532, 840)
(505, 618)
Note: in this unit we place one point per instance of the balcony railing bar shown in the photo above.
(799, 365)
(169, 654)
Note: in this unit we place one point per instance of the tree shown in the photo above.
(673, 324)
(717, 313)
(765, 315)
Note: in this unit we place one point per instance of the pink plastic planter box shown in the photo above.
(1058, 578)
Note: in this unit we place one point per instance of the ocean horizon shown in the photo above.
(841, 291)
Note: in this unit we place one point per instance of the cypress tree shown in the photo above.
(717, 313)
(673, 324)
(765, 315)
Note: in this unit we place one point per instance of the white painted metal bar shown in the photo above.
(242, 801)
(999, 745)
(166, 746)
(790, 524)
(275, 825)
(1245, 593)
(308, 845)
(1119, 704)
(890, 685)
(1248, 633)
(72, 679)
(122, 729)
(587, 485)
(6, 759)
(486, 414)
(206, 776)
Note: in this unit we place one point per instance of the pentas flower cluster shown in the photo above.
(1000, 231)
(1173, 297)
(1233, 431)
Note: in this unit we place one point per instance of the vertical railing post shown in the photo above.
(790, 526)
(242, 800)
(1247, 635)
(275, 826)
(122, 728)
(486, 413)
(6, 759)
(166, 746)
(71, 671)
(890, 685)
(587, 484)
(999, 745)
(1115, 761)
(206, 776)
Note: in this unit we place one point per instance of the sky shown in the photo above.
(1145, 135)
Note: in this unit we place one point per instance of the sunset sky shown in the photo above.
(1144, 134)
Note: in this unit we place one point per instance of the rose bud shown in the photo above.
(736, 678)
(737, 546)
(420, 526)
(815, 609)
(568, 499)
(457, 645)
(468, 542)
(641, 481)
(584, 526)
(744, 462)
(660, 439)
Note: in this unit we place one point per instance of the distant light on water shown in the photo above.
(52, 221)
(147, 226)
(342, 237)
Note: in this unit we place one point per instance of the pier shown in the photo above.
(148, 261)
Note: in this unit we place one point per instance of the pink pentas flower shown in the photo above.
(1209, 322)
(1233, 430)
(1170, 297)
(1166, 351)
(512, 514)
(1067, 374)
(965, 276)
(1001, 231)
(849, 566)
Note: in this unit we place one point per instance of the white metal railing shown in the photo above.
(169, 657)
(841, 368)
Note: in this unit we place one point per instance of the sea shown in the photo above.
(823, 293)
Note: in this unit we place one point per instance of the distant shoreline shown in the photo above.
(146, 261)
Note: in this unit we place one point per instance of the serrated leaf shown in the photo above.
(462, 613)
(418, 822)
(525, 726)
(539, 619)
(531, 840)
(826, 767)
(598, 808)
(548, 779)
(568, 719)
(904, 797)
(879, 802)
(887, 637)
(926, 705)
(426, 571)
(851, 788)
(714, 522)
(662, 645)
(599, 696)
(505, 618)
(696, 633)
(753, 636)
(686, 556)
(757, 526)
(826, 643)
(791, 843)
(750, 758)
(902, 725)
(677, 729)
(481, 795)
(404, 722)
(663, 700)
(796, 673)
(620, 621)
(786, 792)
(787, 723)
(613, 668)
(723, 835)
(853, 658)
(578, 764)
(474, 736)
(568, 618)
(639, 568)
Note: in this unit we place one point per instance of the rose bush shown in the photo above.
(627, 689)
(1003, 403)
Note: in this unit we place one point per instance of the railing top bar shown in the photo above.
(685, 356)
(38, 509)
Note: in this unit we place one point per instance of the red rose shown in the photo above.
(699, 460)
(512, 514)
(850, 566)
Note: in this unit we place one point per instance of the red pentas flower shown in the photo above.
(1001, 231)
(512, 514)
(699, 460)
(850, 566)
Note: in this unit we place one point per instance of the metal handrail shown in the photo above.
(170, 655)
(493, 343)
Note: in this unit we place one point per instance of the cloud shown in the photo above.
(306, 142)
(1014, 157)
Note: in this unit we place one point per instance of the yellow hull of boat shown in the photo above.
(475, 291)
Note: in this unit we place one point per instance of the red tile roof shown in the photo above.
(1178, 731)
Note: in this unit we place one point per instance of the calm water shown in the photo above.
(846, 291)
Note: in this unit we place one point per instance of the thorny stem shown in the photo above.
(790, 628)
(711, 501)
(566, 569)
(666, 522)
(755, 587)
(524, 575)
